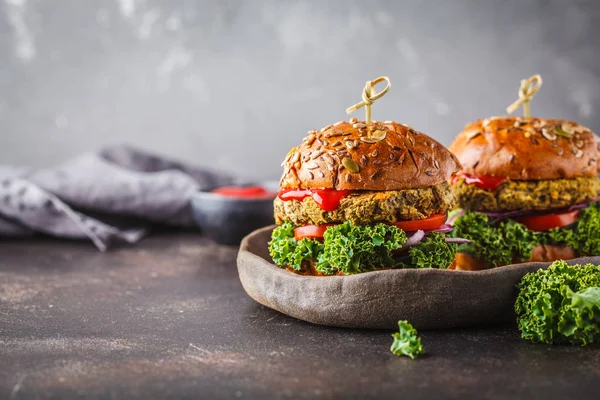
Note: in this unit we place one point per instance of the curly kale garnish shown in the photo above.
(406, 342)
(560, 304)
(508, 241)
(352, 249)
(587, 240)
(285, 250)
(498, 244)
(433, 250)
(359, 248)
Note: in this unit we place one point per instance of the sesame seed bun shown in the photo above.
(540, 253)
(527, 149)
(345, 156)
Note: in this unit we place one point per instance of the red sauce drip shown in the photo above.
(485, 182)
(327, 199)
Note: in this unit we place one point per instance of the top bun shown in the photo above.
(345, 156)
(521, 148)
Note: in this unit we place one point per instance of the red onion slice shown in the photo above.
(442, 229)
(457, 240)
(414, 239)
(419, 235)
(583, 204)
(453, 218)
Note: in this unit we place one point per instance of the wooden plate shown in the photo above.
(428, 298)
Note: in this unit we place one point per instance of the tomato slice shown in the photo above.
(549, 221)
(432, 222)
(310, 231)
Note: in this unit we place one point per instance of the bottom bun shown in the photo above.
(308, 268)
(466, 262)
(541, 253)
(548, 252)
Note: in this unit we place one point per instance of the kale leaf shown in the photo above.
(498, 244)
(359, 248)
(586, 231)
(307, 249)
(432, 251)
(560, 304)
(283, 244)
(285, 250)
(406, 342)
(353, 249)
(563, 236)
(582, 236)
(508, 241)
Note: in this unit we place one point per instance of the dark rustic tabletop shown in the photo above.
(169, 318)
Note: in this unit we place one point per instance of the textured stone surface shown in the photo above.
(169, 319)
(207, 80)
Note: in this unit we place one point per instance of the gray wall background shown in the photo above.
(235, 84)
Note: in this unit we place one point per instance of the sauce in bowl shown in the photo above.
(245, 192)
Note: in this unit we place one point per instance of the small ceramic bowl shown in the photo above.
(226, 219)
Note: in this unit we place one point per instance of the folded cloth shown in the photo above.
(113, 196)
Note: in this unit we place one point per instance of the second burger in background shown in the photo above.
(529, 187)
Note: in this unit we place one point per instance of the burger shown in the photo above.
(357, 197)
(529, 189)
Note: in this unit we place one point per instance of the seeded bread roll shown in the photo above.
(521, 148)
(346, 156)
(541, 253)
(547, 252)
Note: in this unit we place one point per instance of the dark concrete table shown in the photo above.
(169, 318)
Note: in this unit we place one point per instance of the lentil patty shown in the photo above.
(527, 195)
(362, 207)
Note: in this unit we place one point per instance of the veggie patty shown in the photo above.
(527, 195)
(363, 207)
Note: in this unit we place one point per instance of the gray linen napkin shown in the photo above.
(113, 196)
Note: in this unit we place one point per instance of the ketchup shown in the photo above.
(252, 192)
(327, 199)
(485, 182)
